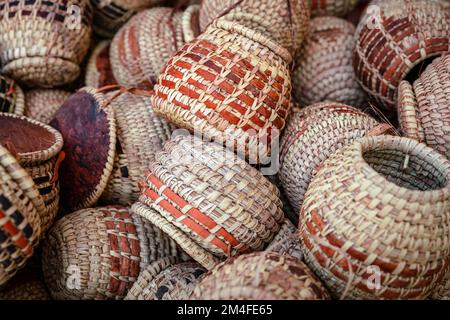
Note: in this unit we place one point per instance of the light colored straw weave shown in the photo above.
(424, 108)
(395, 39)
(27, 285)
(167, 279)
(12, 99)
(43, 42)
(99, 70)
(375, 220)
(324, 69)
(286, 241)
(98, 253)
(311, 136)
(210, 201)
(42, 104)
(283, 21)
(36, 147)
(142, 47)
(260, 276)
(337, 8)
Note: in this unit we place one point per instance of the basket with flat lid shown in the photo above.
(12, 99)
(43, 42)
(260, 276)
(211, 202)
(374, 223)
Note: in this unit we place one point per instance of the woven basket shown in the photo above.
(42, 104)
(88, 127)
(20, 224)
(140, 134)
(283, 21)
(27, 285)
(324, 69)
(211, 202)
(36, 147)
(110, 15)
(12, 99)
(397, 45)
(167, 279)
(375, 220)
(40, 44)
(338, 8)
(229, 88)
(424, 108)
(142, 47)
(286, 241)
(311, 136)
(98, 253)
(99, 70)
(260, 276)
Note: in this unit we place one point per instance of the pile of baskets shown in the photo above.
(224, 149)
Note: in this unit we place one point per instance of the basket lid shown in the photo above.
(88, 127)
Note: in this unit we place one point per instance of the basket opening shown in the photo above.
(20, 136)
(417, 70)
(408, 171)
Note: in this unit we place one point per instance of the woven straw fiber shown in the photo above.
(442, 290)
(283, 21)
(286, 241)
(12, 99)
(27, 285)
(167, 279)
(99, 70)
(229, 88)
(337, 8)
(210, 201)
(142, 47)
(40, 158)
(88, 127)
(39, 45)
(98, 253)
(42, 104)
(20, 225)
(140, 134)
(394, 39)
(110, 15)
(424, 108)
(260, 276)
(311, 136)
(324, 69)
(375, 220)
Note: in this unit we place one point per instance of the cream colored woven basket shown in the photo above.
(375, 220)
(42, 104)
(286, 241)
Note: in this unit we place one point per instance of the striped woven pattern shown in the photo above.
(311, 136)
(38, 46)
(394, 39)
(211, 202)
(11, 96)
(104, 248)
(379, 207)
(227, 87)
(324, 69)
(338, 8)
(99, 70)
(260, 276)
(42, 104)
(424, 108)
(167, 279)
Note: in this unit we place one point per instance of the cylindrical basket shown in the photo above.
(42, 104)
(211, 202)
(375, 220)
(324, 69)
(98, 253)
(424, 108)
(338, 8)
(99, 70)
(37, 148)
(43, 42)
(311, 136)
(260, 276)
(12, 99)
(167, 279)
(395, 39)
